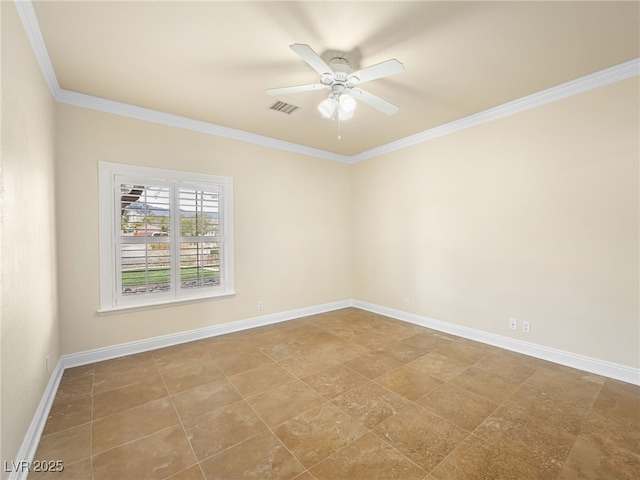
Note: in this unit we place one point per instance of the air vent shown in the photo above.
(283, 107)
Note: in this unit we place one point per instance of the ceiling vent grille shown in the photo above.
(283, 107)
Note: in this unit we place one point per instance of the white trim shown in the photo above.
(562, 357)
(111, 300)
(168, 303)
(170, 120)
(32, 438)
(582, 84)
(115, 351)
(567, 89)
(34, 34)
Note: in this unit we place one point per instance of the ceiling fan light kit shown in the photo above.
(338, 77)
(339, 103)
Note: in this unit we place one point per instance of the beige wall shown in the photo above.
(534, 216)
(292, 225)
(28, 300)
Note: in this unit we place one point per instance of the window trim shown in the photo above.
(108, 222)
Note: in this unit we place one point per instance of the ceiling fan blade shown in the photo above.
(306, 53)
(299, 88)
(374, 101)
(379, 70)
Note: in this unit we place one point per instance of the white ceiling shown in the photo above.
(212, 61)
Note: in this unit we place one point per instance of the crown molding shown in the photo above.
(588, 82)
(592, 81)
(32, 28)
(168, 119)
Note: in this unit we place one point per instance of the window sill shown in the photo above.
(168, 303)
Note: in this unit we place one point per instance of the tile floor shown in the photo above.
(342, 395)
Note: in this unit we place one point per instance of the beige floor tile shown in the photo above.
(264, 336)
(81, 371)
(458, 405)
(373, 364)
(422, 436)
(192, 473)
(68, 446)
(607, 447)
(205, 398)
(304, 476)
(463, 352)
(260, 379)
(282, 351)
(119, 399)
(296, 330)
(539, 446)
(398, 331)
(243, 362)
(320, 338)
(370, 403)
(261, 457)
(309, 364)
(317, 433)
(367, 458)
(342, 351)
(589, 460)
(185, 353)
(439, 366)
(486, 384)
(409, 382)
(567, 385)
(129, 425)
(371, 341)
(183, 376)
(282, 403)
(473, 459)
(619, 398)
(511, 368)
(123, 364)
(220, 429)
(549, 406)
(428, 341)
(73, 471)
(67, 412)
(121, 375)
(222, 348)
(335, 380)
(157, 456)
(72, 386)
(401, 352)
(573, 372)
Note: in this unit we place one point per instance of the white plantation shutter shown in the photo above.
(144, 246)
(169, 239)
(199, 237)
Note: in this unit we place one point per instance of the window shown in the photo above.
(165, 236)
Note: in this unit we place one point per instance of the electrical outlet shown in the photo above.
(526, 327)
(260, 305)
(406, 300)
(513, 324)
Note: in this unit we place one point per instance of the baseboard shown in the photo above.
(32, 438)
(593, 365)
(107, 353)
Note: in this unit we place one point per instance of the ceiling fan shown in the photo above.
(338, 77)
